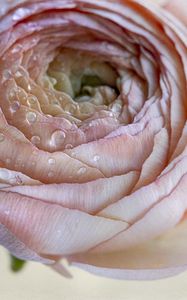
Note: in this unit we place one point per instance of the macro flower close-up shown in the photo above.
(93, 135)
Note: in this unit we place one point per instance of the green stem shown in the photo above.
(16, 264)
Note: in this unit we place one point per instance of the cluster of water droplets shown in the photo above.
(78, 108)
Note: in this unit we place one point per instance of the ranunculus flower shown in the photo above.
(93, 135)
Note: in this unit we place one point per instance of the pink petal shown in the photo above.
(159, 258)
(178, 8)
(18, 248)
(134, 206)
(119, 154)
(52, 229)
(89, 197)
(161, 217)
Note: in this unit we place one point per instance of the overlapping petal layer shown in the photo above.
(93, 163)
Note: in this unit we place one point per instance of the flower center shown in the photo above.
(83, 77)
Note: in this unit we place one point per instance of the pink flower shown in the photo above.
(93, 155)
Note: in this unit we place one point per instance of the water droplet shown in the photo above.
(13, 181)
(31, 117)
(53, 80)
(12, 94)
(35, 58)
(7, 212)
(17, 48)
(35, 152)
(29, 87)
(73, 153)
(2, 137)
(110, 47)
(58, 138)
(14, 106)
(81, 171)
(6, 74)
(8, 160)
(20, 13)
(51, 161)
(116, 108)
(69, 146)
(74, 127)
(35, 140)
(4, 174)
(50, 174)
(31, 100)
(18, 74)
(111, 114)
(96, 158)
(33, 163)
(70, 108)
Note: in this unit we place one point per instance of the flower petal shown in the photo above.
(159, 258)
(178, 8)
(51, 229)
(89, 197)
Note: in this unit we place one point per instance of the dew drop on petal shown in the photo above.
(35, 152)
(35, 140)
(31, 100)
(111, 114)
(29, 87)
(51, 161)
(6, 74)
(14, 106)
(2, 137)
(35, 58)
(50, 174)
(31, 117)
(68, 146)
(81, 171)
(7, 212)
(116, 108)
(13, 181)
(4, 174)
(8, 160)
(11, 94)
(96, 158)
(58, 138)
(20, 13)
(70, 108)
(53, 80)
(18, 74)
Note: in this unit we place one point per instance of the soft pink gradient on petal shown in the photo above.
(99, 178)
(178, 8)
(159, 258)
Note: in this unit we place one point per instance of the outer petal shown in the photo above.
(18, 248)
(178, 8)
(161, 217)
(162, 257)
(52, 229)
(89, 197)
